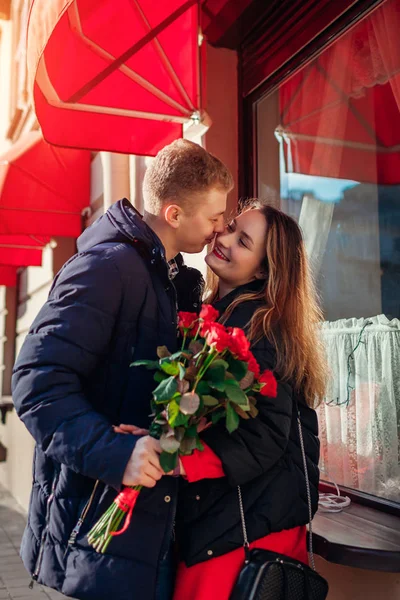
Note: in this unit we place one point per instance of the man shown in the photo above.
(112, 303)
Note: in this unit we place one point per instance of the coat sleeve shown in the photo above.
(258, 444)
(63, 347)
(202, 465)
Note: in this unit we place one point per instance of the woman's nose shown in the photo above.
(223, 238)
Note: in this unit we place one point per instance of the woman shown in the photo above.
(263, 286)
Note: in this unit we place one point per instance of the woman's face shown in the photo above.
(238, 252)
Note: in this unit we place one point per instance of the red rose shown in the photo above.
(239, 344)
(186, 321)
(208, 313)
(217, 336)
(270, 387)
(205, 328)
(252, 365)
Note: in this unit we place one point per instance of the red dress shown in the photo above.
(214, 579)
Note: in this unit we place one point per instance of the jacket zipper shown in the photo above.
(35, 574)
(76, 529)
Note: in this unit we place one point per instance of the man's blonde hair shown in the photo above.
(179, 170)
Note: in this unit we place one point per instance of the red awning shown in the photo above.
(22, 250)
(120, 76)
(8, 276)
(340, 116)
(43, 189)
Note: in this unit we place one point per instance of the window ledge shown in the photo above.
(360, 537)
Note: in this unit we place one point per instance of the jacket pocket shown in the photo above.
(89, 507)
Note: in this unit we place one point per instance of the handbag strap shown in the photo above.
(246, 544)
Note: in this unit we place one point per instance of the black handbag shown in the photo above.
(267, 575)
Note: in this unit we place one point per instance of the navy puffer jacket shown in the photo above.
(112, 303)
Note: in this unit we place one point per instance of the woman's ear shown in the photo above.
(261, 274)
(172, 215)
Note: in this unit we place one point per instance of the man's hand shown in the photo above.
(144, 467)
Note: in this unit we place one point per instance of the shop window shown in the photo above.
(329, 141)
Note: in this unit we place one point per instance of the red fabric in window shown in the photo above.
(120, 76)
(43, 189)
(341, 113)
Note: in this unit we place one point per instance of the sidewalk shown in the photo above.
(14, 580)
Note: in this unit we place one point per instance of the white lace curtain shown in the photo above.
(360, 418)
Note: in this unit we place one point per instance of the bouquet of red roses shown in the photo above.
(213, 376)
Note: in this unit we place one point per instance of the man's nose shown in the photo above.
(219, 226)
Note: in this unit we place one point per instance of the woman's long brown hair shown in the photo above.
(290, 313)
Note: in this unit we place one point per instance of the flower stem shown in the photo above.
(208, 362)
(184, 341)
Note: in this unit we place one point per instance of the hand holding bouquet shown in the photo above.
(214, 376)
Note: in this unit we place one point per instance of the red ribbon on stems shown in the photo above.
(126, 501)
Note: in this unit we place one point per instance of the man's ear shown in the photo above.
(172, 215)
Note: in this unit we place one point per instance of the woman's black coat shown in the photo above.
(263, 456)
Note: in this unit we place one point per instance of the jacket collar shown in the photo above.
(253, 286)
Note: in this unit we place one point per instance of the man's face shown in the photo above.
(198, 226)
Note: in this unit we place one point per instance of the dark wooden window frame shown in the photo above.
(248, 162)
(248, 105)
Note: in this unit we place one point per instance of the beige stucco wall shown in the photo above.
(16, 472)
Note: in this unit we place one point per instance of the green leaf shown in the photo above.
(171, 368)
(218, 385)
(191, 431)
(219, 363)
(217, 416)
(172, 412)
(235, 394)
(169, 443)
(199, 445)
(182, 371)
(149, 364)
(175, 417)
(232, 418)
(202, 388)
(156, 430)
(168, 461)
(176, 355)
(159, 376)
(216, 373)
(210, 400)
(188, 444)
(165, 390)
(238, 368)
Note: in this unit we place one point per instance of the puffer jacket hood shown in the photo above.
(121, 223)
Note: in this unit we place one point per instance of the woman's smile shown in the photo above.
(219, 253)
